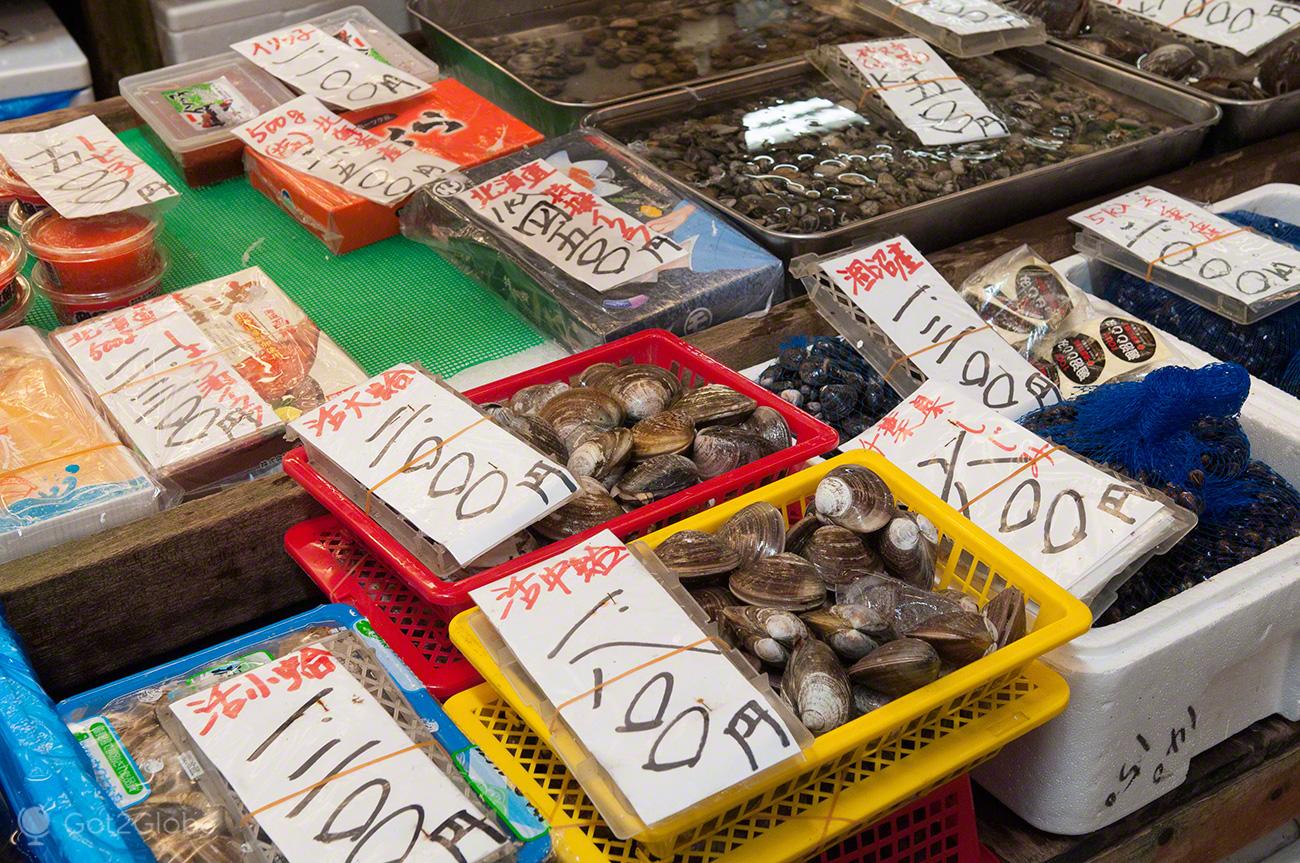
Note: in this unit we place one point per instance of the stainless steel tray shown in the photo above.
(945, 221)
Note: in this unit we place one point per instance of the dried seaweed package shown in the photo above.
(590, 244)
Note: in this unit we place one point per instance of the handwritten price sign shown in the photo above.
(964, 17)
(923, 91)
(1242, 25)
(82, 169)
(646, 692)
(585, 236)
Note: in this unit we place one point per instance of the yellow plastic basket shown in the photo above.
(969, 559)
(795, 829)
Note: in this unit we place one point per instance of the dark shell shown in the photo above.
(801, 531)
(1279, 72)
(847, 642)
(1006, 612)
(644, 390)
(693, 554)
(601, 456)
(768, 424)
(592, 507)
(784, 626)
(657, 477)
(573, 409)
(784, 581)
(839, 555)
(713, 599)
(817, 685)
(719, 449)
(1173, 60)
(959, 637)
(529, 400)
(897, 667)
(594, 375)
(856, 498)
(756, 531)
(714, 403)
(908, 554)
(664, 433)
(866, 699)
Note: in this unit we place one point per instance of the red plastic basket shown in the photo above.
(657, 347)
(936, 828)
(347, 572)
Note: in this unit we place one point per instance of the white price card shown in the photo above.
(82, 169)
(964, 17)
(580, 232)
(933, 327)
(1242, 25)
(1076, 523)
(171, 391)
(462, 480)
(308, 137)
(314, 62)
(326, 772)
(923, 91)
(645, 691)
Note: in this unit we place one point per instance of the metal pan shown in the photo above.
(950, 219)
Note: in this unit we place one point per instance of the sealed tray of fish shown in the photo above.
(962, 28)
(218, 755)
(591, 244)
(809, 163)
(950, 618)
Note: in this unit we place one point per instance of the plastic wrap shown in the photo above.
(963, 28)
(724, 275)
(360, 28)
(66, 475)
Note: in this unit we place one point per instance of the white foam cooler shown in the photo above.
(41, 67)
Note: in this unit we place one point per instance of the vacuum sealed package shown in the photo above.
(590, 244)
(266, 748)
(202, 381)
(1024, 299)
(1100, 350)
(64, 473)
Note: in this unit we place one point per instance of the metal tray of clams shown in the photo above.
(952, 214)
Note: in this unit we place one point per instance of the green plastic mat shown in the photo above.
(388, 303)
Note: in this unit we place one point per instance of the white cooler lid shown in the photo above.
(181, 15)
(37, 54)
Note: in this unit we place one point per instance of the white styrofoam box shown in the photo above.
(41, 67)
(1150, 692)
(191, 29)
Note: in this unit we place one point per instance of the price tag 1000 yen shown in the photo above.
(1245, 26)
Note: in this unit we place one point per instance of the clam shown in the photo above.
(715, 403)
(591, 507)
(1174, 60)
(573, 410)
(866, 699)
(784, 626)
(839, 555)
(1279, 71)
(959, 637)
(644, 390)
(713, 599)
(756, 531)
(785, 581)
(541, 435)
(856, 498)
(913, 606)
(801, 531)
(766, 648)
(719, 449)
(529, 400)
(897, 667)
(694, 554)
(1006, 612)
(768, 424)
(594, 375)
(665, 433)
(817, 685)
(908, 554)
(847, 642)
(601, 456)
(863, 618)
(656, 477)
(964, 601)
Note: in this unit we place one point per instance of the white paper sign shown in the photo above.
(308, 137)
(327, 772)
(448, 469)
(313, 62)
(923, 91)
(964, 17)
(904, 295)
(1174, 235)
(82, 169)
(667, 716)
(593, 241)
(171, 391)
(1075, 523)
(1243, 25)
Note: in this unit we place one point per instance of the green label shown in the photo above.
(229, 668)
(211, 104)
(116, 771)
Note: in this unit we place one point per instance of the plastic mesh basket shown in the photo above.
(937, 828)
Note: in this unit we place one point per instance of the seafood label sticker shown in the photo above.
(314, 62)
(923, 91)
(461, 479)
(644, 689)
(1242, 25)
(82, 169)
(904, 296)
(212, 104)
(374, 795)
(306, 136)
(964, 17)
(1076, 523)
(172, 393)
(588, 238)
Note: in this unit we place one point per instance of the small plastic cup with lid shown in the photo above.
(12, 258)
(16, 298)
(71, 307)
(93, 254)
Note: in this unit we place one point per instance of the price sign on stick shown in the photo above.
(964, 17)
(1242, 25)
(82, 169)
(923, 91)
(419, 447)
(327, 772)
(932, 326)
(646, 692)
(313, 62)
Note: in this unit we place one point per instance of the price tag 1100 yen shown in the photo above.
(1245, 26)
(462, 480)
(82, 169)
(932, 326)
(646, 692)
(313, 62)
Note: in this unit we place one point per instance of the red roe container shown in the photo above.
(71, 307)
(14, 187)
(95, 254)
(14, 309)
(12, 258)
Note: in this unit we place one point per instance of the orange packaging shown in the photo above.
(449, 120)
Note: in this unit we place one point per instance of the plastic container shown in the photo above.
(1149, 693)
(73, 307)
(14, 309)
(359, 27)
(94, 254)
(44, 70)
(971, 28)
(937, 828)
(14, 187)
(191, 108)
(12, 285)
(347, 572)
(969, 560)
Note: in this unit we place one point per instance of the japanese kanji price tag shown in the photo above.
(82, 169)
(923, 91)
(170, 391)
(464, 481)
(1242, 25)
(308, 137)
(934, 328)
(1076, 523)
(313, 62)
(585, 236)
(964, 17)
(645, 691)
(326, 771)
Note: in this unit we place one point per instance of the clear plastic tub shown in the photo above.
(14, 187)
(963, 28)
(359, 27)
(73, 306)
(95, 254)
(13, 308)
(18, 213)
(12, 258)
